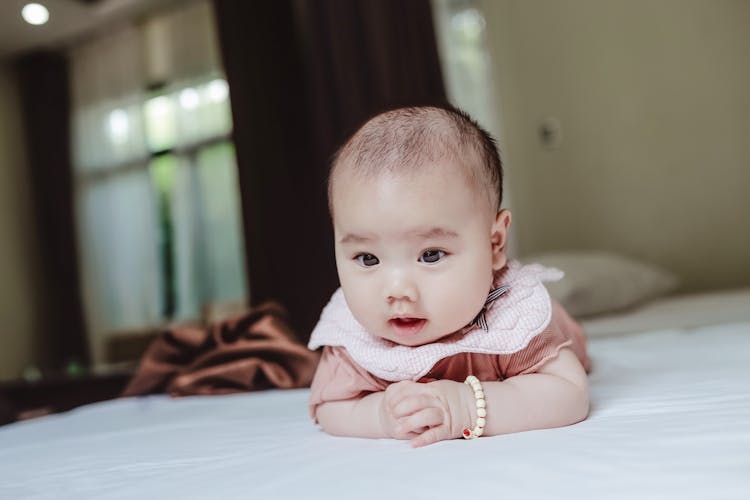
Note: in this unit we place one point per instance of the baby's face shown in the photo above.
(415, 252)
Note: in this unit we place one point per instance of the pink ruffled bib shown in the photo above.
(513, 320)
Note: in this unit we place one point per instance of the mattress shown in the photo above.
(670, 418)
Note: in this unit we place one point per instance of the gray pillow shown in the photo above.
(600, 282)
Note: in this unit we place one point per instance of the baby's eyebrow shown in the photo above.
(436, 232)
(354, 238)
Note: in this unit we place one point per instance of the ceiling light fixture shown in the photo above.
(35, 13)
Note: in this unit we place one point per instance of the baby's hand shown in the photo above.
(426, 413)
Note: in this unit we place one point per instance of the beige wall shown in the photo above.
(17, 256)
(654, 101)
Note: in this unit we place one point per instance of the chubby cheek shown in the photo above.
(455, 305)
(360, 300)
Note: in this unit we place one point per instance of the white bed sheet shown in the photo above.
(670, 419)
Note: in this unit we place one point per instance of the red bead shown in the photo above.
(467, 432)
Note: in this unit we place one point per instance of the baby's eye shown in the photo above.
(367, 259)
(431, 256)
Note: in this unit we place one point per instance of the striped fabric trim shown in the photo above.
(480, 320)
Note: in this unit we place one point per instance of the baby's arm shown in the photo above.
(363, 417)
(555, 396)
(353, 417)
(375, 415)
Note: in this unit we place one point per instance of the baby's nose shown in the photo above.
(401, 287)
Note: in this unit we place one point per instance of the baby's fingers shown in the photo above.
(432, 435)
(421, 420)
(412, 404)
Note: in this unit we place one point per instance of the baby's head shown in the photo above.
(415, 199)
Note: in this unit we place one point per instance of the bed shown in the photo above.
(670, 418)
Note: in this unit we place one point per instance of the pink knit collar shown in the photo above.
(512, 320)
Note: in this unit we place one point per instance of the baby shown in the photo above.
(434, 334)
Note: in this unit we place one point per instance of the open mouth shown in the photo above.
(407, 326)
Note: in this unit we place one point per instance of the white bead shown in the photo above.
(481, 403)
(479, 431)
(481, 412)
(480, 422)
(479, 394)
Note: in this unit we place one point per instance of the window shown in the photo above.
(156, 179)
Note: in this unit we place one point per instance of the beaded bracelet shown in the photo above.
(478, 429)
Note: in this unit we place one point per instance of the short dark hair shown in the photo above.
(409, 137)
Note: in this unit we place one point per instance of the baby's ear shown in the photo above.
(498, 238)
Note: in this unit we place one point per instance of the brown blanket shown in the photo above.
(255, 351)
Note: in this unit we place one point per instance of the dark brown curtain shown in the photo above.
(45, 102)
(303, 75)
